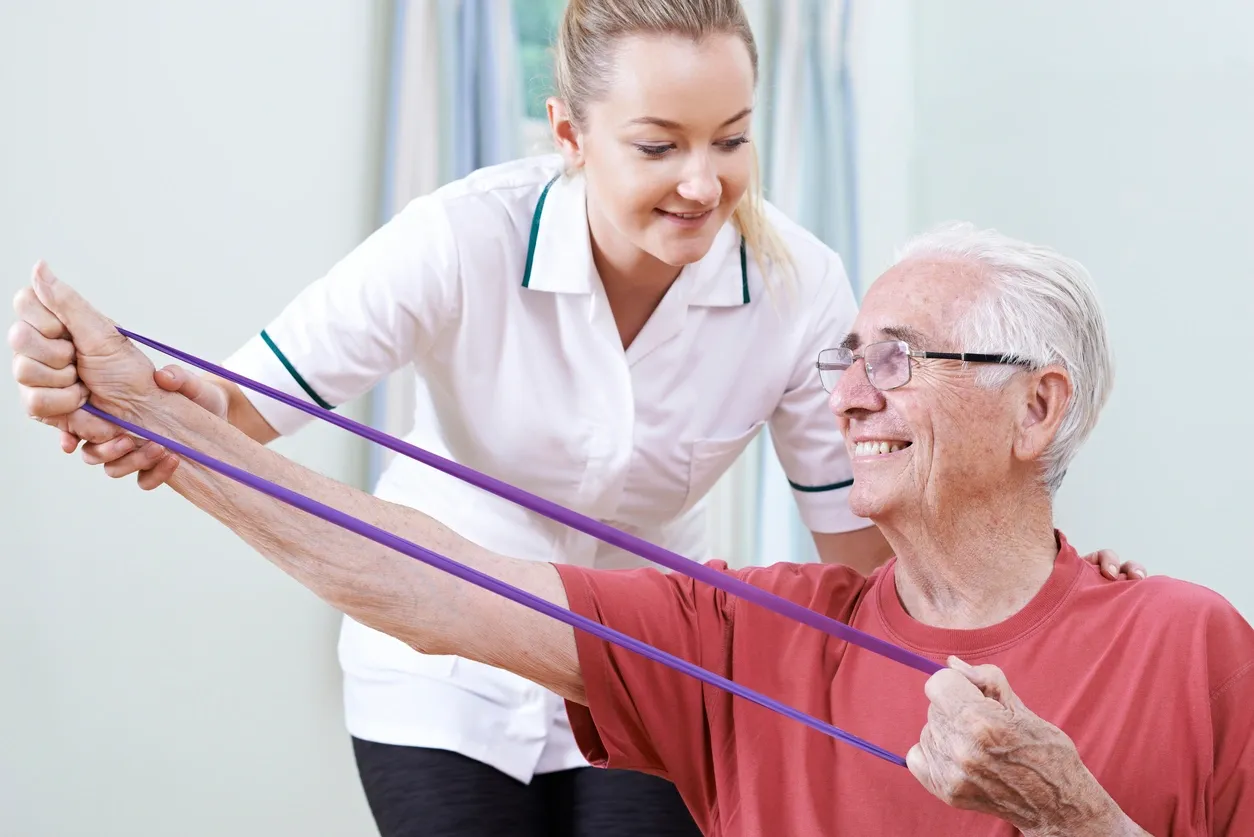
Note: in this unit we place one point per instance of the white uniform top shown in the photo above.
(487, 288)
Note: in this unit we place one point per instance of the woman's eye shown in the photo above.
(653, 150)
(733, 144)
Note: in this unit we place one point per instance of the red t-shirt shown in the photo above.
(1153, 680)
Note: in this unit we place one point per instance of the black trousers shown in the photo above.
(419, 792)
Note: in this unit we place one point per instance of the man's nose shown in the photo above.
(854, 393)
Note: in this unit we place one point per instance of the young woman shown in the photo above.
(607, 327)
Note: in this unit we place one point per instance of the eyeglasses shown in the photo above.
(888, 363)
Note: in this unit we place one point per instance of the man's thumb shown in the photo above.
(90, 330)
(988, 679)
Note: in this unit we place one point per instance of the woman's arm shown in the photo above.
(862, 549)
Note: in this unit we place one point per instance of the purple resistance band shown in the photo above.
(487, 582)
(573, 519)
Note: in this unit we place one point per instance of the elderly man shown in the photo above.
(1071, 704)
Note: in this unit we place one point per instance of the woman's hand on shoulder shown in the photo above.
(1108, 562)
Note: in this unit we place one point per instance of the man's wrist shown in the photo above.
(1102, 817)
(153, 412)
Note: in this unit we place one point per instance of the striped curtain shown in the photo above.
(454, 105)
(804, 129)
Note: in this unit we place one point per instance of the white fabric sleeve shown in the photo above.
(809, 445)
(375, 311)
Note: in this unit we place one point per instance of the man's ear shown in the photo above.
(1045, 404)
(566, 136)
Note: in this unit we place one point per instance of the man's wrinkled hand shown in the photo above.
(65, 353)
(152, 464)
(983, 750)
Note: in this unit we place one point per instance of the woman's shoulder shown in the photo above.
(811, 255)
(814, 276)
(502, 180)
(491, 199)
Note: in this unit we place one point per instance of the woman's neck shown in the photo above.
(634, 281)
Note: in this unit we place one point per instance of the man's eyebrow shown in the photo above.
(913, 336)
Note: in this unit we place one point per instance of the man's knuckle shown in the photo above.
(982, 732)
(19, 336)
(22, 299)
(21, 369)
(36, 400)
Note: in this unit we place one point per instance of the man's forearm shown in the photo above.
(379, 587)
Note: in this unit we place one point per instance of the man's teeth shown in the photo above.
(876, 448)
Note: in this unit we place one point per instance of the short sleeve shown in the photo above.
(375, 311)
(1230, 651)
(642, 715)
(807, 441)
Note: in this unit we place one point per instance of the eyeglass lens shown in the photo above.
(887, 365)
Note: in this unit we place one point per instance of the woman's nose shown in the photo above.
(701, 183)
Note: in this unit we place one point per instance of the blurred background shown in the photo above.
(191, 166)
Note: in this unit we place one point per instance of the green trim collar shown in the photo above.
(531, 257)
(535, 230)
(744, 271)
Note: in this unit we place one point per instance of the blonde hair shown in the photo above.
(584, 62)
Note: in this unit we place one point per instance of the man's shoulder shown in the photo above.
(1169, 598)
(831, 589)
(1165, 611)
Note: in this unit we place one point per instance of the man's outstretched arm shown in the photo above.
(65, 351)
(424, 607)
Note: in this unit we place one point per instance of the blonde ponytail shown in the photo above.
(762, 240)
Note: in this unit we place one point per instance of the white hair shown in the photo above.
(1041, 307)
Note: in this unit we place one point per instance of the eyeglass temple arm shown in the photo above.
(967, 357)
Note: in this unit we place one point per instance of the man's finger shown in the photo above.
(104, 452)
(159, 474)
(949, 690)
(46, 402)
(989, 679)
(69, 442)
(918, 766)
(92, 428)
(32, 373)
(137, 461)
(25, 339)
(28, 307)
(93, 332)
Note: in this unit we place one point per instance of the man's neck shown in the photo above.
(976, 572)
